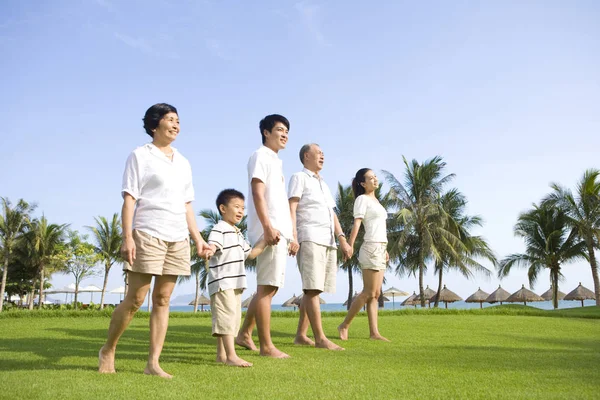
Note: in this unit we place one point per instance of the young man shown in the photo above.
(268, 218)
(315, 227)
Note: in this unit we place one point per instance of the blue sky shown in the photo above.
(507, 92)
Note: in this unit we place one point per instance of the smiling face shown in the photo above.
(233, 211)
(167, 129)
(277, 138)
(371, 182)
(314, 158)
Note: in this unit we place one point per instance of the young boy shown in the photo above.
(227, 275)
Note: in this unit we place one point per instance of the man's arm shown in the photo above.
(271, 235)
(294, 246)
(339, 234)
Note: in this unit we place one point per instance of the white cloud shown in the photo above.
(309, 14)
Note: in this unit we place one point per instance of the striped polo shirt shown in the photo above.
(226, 268)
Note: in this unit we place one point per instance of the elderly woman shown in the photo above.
(373, 256)
(157, 219)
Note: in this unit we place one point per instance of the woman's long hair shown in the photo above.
(359, 178)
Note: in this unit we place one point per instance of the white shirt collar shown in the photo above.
(311, 173)
(268, 151)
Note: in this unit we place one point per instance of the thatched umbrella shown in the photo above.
(246, 302)
(447, 296)
(580, 293)
(202, 301)
(290, 302)
(298, 299)
(351, 300)
(394, 292)
(412, 300)
(427, 294)
(523, 295)
(478, 297)
(547, 295)
(498, 296)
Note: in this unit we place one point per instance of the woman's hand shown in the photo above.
(128, 249)
(293, 249)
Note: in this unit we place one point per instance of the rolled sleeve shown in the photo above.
(257, 167)
(131, 177)
(360, 207)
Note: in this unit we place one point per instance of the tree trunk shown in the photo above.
(554, 275)
(41, 294)
(594, 266)
(197, 290)
(106, 269)
(421, 295)
(350, 288)
(31, 296)
(4, 276)
(76, 293)
(437, 295)
(380, 302)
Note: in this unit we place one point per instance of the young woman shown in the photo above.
(157, 220)
(373, 256)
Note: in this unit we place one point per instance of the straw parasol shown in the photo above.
(246, 302)
(298, 299)
(351, 300)
(394, 292)
(498, 296)
(202, 301)
(412, 300)
(580, 293)
(427, 294)
(290, 302)
(478, 297)
(447, 296)
(524, 295)
(547, 295)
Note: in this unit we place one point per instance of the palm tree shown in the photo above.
(474, 247)
(549, 242)
(583, 213)
(48, 246)
(108, 245)
(420, 228)
(13, 223)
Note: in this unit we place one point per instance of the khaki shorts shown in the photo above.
(372, 256)
(154, 256)
(270, 265)
(318, 266)
(226, 309)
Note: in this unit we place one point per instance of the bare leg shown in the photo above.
(369, 291)
(244, 337)
(159, 322)
(264, 296)
(230, 356)
(121, 317)
(221, 355)
(313, 311)
(302, 338)
(373, 309)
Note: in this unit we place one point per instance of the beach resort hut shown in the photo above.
(580, 293)
(298, 299)
(290, 302)
(202, 301)
(478, 297)
(498, 296)
(547, 295)
(246, 302)
(394, 292)
(523, 295)
(447, 296)
(411, 300)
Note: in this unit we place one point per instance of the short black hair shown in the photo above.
(154, 114)
(226, 196)
(269, 122)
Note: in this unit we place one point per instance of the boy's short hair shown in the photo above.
(225, 197)
(269, 122)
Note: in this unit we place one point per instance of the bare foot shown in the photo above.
(273, 352)
(106, 361)
(221, 360)
(303, 341)
(238, 362)
(328, 345)
(158, 371)
(379, 337)
(343, 333)
(246, 343)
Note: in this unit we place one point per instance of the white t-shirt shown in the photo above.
(266, 166)
(226, 268)
(374, 216)
(161, 188)
(315, 211)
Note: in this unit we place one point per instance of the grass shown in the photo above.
(499, 352)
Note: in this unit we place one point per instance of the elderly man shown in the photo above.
(315, 228)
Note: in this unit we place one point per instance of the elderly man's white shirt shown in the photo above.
(161, 188)
(266, 166)
(315, 211)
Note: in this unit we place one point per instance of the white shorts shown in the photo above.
(270, 265)
(318, 266)
(372, 256)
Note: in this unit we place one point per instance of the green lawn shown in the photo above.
(501, 352)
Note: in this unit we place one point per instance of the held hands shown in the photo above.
(204, 250)
(128, 250)
(347, 250)
(272, 236)
(293, 248)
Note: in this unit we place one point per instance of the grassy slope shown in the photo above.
(433, 355)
